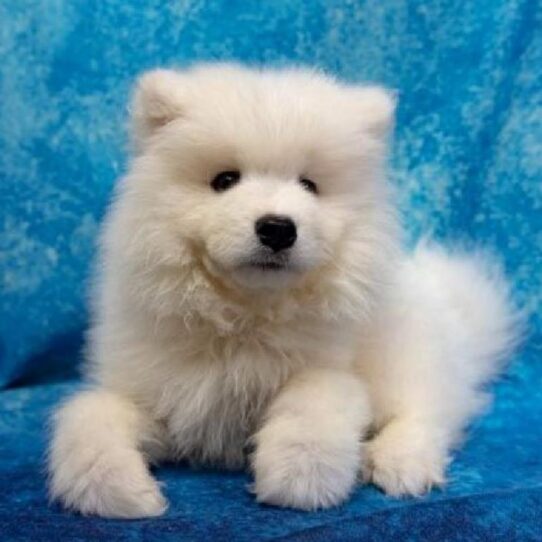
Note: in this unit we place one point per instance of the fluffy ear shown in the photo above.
(157, 100)
(375, 107)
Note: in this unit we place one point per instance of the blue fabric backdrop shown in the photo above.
(467, 162)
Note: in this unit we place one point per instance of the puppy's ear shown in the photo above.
(158, 99)
(375, 108)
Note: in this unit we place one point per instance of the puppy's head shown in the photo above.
(264, 174)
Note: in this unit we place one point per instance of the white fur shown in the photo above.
(195, 353)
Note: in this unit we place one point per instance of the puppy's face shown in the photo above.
(263, 174)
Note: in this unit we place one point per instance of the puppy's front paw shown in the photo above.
(405, 459)
(115, 484)
(293, 467)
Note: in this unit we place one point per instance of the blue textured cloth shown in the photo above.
(467, 162)
(494, 492)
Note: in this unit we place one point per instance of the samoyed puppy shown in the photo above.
(254, 308)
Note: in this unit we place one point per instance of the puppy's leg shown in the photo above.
(95, 462)
(408, 457)
(421, 404)
(452, 327)
(308, 449)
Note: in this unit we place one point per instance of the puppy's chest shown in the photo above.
(221, 387)
(215, 398)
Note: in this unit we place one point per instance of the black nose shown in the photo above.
(276, 232)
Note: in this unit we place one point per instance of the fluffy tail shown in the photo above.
(490, 327)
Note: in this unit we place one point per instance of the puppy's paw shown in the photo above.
(294, 468)
(115, 484)
(404, 460)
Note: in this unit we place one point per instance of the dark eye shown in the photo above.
(309, 185)
(225, 180)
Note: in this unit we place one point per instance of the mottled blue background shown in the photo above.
(467, 161)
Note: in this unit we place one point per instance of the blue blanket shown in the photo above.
(467, 163)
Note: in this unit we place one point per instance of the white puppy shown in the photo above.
(252, 295)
